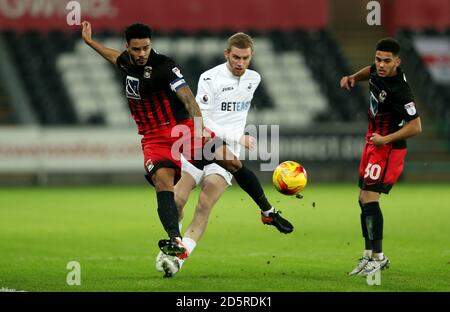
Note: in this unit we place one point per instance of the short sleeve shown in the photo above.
(404, 104)
(122, 62)
(205, 94)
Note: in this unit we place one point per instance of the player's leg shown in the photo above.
(371, 217)
(162, 180)
(213, 187)
(374, 223)
(392, 169)
(162, 163)
(182, 190)
(382, 171)
(367, 254)
(362, 173)
(248, 181)
(190, 178)
(162, 177)
(214, 182)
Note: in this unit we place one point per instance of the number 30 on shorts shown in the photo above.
(372, 171)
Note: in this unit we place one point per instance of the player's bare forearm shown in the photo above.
(110, 55)
(348, 82)
(362, 74)
(412, 128)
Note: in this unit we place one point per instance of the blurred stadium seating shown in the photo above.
(68, 84)
(49, 78)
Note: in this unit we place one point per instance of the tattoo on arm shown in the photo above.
(185, 95)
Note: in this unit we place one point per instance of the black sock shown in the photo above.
(374, 223)
(368, 244)
(377, 246)
(168, 213)
(248, 181)
(367, 241)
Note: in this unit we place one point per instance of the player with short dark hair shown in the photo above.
(163, 107)
(138, 30)
(393, 118)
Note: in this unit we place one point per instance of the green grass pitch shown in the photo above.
(113, 232)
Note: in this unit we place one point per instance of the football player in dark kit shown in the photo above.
(392, 119)
(160, 101)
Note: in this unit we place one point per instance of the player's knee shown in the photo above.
(233, 165)
(360, 200)
(161, 183)
(367, 197)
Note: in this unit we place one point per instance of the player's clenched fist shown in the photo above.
(347, 82)
(86, 32)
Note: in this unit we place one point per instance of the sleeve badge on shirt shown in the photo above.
(177, 72)
(410, 108)
(205, 99)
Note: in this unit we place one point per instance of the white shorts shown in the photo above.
(199, 174)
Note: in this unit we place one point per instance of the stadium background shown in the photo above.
(53, 87)
(64, 121)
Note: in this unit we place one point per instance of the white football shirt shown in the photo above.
(225, 100)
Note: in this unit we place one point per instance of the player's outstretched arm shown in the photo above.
(348, 82)
(110, 55)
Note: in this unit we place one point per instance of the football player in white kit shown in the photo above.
(224, 95)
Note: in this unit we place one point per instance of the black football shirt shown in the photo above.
(391, 104)
(150, 91)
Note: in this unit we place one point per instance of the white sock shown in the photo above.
(267, 212)
(180, 225)
(189, 243)
(378, 256)
(367, 254)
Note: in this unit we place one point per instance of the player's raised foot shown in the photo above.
(275, 219)
(158, 261)
(362, 262)
(373, 266)
(173, 247)
(171, 265)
